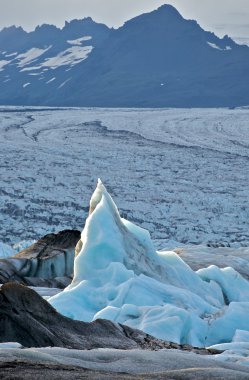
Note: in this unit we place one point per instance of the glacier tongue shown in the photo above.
(118, 275)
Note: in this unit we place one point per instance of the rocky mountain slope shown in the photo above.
(157, 59)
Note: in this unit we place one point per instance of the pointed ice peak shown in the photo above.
(108, 238)
(102, 196)
(118, 275)
(97, 196)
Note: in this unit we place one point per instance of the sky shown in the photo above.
(220, 16)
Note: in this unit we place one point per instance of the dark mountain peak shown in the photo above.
(12, 37)
(44, 34)
(46, 28)
(228, 40)
(88, 20)
(79, 23)
(86, 24)
(164, 15)
(169, 10)
(13, 29)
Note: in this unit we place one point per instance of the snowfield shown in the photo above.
(70, 57)
(181, 174)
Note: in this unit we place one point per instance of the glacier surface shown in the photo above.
(186, 169)
(9, 251)
(6, 251)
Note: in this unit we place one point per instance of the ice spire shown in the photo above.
(97, 195)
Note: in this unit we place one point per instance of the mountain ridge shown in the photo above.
(157, 59)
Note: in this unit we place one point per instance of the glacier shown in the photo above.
(9, 250)
(6, 251)
(197, 184)
(118, 275)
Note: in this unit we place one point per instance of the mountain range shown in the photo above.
(158, 59)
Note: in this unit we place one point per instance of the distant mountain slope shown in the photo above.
(30, 62)
(155, 60)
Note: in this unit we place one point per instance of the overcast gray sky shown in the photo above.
(221, 16)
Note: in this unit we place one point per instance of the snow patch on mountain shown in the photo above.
(3, 63)
(35, 74)
(51, 80)
(11, 55)
(71, 56)
(79, 41)
(30, 56)
(63, 83)
(214, 46)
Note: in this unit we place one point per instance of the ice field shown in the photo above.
(181, 174)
